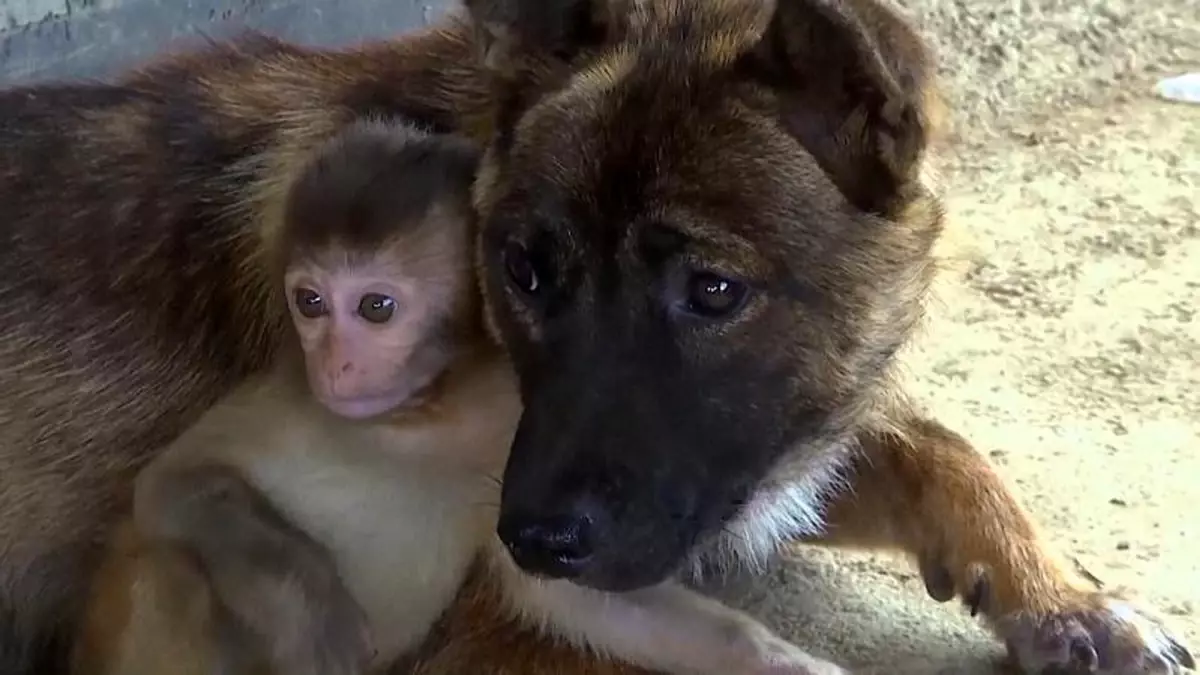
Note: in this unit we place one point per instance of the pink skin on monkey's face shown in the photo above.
(365, 337)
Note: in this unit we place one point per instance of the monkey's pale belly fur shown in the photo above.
(404, 568)
(403, 510)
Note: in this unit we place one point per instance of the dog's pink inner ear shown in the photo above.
(851, 80)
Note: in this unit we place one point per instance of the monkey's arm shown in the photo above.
(929, 492)
(667, 628)
(281, 587)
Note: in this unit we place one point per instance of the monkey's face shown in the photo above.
(371, 333)
(702, 246)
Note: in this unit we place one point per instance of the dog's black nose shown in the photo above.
(558, 546)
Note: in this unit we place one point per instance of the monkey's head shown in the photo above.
(704, 236)
(377, 240)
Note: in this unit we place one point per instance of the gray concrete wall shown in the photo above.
(54, 39)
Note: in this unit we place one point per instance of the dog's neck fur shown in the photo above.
(790, 505)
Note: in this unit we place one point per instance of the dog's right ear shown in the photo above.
(855, 85)
(533, 34)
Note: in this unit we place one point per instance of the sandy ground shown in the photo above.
(1067, 347)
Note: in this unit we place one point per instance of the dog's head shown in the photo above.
(703, 238)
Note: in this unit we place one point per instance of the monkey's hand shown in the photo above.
(303, 617)
(294, 607)
(1078, 630)
(281, 588)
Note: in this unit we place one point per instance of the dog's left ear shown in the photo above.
(854, 86)
(527, 34)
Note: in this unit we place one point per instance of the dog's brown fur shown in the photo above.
(479, 631)
(136, 282)
(100, 383)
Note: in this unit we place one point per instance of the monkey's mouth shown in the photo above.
(364, 407)
(375, 405)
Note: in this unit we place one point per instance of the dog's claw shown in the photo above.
(1099, 634)
(939, 584)
(977, 598)
(1182, 656)
(1083, 655)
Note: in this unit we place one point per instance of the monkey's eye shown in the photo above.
(309, 303)
(376, 307)
(713, 297)
(520, 268)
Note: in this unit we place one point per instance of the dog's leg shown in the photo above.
(480, 634)
(666, 628)
(929, 492)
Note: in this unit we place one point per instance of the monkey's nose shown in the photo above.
(558, 547)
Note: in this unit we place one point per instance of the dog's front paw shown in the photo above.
(1095, 633)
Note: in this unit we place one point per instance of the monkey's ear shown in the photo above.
(853, 81)
(516, 34)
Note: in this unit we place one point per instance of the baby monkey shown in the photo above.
(321, 524)
(378, 271)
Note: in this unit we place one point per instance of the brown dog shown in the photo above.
(706, 234)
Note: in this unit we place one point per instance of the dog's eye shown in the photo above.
(520, 268)
(713, 296)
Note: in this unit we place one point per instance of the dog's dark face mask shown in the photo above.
(692, 279)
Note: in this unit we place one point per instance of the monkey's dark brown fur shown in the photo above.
(373, 185)
(136, 286)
